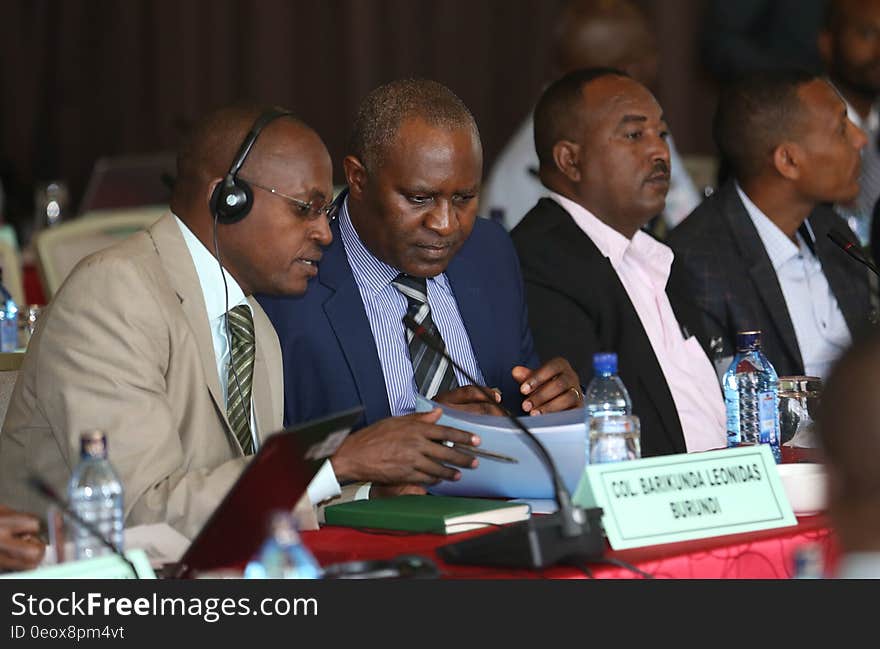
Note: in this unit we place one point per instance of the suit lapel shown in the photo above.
(473, 305)
(764, 279)
(181, 272)
(348, 319)
(266, 413)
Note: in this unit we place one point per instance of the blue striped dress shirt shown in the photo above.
(386, 306)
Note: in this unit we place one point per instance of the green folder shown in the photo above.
(434, 514)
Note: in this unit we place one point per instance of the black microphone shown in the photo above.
(850, 248)
(45, 490)
(570, 535)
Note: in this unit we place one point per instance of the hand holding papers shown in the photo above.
(563, 433)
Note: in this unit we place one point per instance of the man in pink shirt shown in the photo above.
(595, 282)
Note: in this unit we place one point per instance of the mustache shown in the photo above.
(446, 242)
(659, 168)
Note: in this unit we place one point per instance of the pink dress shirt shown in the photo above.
(643, 266)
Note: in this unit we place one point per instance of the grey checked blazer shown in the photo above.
(734, 284)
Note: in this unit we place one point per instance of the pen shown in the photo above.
(464, 448)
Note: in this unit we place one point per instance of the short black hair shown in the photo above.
(383, 110)
(558, 115)
(755, 114)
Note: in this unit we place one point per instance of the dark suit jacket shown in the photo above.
(578, 306)
(330, 358)
(734, 285)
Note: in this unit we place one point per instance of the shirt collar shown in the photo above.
(779, 247)
(616, 247)
(209, 279)
(370, 272)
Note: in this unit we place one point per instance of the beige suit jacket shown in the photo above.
(125, 347)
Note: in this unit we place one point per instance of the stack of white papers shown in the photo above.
(563, 434)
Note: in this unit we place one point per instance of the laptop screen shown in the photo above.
(275, 479)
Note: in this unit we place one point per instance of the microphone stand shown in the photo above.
(570, 535)
(49, 493)
(851, 249)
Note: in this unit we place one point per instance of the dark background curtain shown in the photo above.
(81, 79)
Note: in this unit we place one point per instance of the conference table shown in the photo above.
(768, 554)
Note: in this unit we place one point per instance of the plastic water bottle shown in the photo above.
(95, 493)
(606, 394)
(606, 397)
(751, 395)
(809, 562)
(8, 319)
(283, 555)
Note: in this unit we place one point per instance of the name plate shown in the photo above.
(686, 496)
(106, 567)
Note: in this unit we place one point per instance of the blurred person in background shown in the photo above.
(747, 36)
(588, 33)
(850, 48)
(849, 427)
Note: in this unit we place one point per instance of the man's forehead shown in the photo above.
(415, 129)
(619, 98)
(293, 154)
(417, 139)
(819, 95)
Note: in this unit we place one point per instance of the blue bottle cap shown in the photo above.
(747, 341)
(605, 363)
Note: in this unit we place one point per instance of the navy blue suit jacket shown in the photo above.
(330, 359)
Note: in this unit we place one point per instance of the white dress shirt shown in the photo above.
(643, 266)
(324, 485)
(819, 326)
(513, 189)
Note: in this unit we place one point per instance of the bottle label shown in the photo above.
(767, 417)
(731, 402)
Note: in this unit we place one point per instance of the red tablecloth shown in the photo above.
(33, 288)
(759, 555)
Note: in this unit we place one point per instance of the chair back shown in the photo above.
(63, 246)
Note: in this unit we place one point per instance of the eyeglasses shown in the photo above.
(305, 209)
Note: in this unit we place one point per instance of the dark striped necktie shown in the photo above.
(432, 372)
(240, 374)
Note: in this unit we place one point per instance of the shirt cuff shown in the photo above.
(324, 485)
(363, 492)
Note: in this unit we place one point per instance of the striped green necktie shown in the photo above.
(241, 365)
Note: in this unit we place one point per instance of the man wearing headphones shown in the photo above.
(149, 341)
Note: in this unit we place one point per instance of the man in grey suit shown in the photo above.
(138, 342)
(757, 251)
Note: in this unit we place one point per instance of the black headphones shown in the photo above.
(233, 198)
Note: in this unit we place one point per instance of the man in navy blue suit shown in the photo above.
(407, 240)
